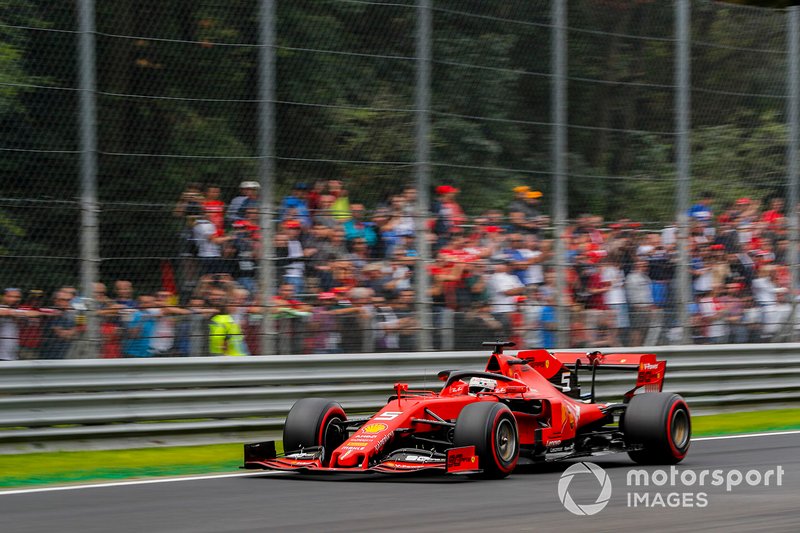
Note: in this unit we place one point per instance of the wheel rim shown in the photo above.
(505, 441)
(680, 428)
(332, 434)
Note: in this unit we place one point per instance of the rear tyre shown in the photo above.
(660, 423)
(492, 428)
(309, 424)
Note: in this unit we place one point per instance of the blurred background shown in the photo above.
(335, 176)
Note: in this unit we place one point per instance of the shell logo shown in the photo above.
(547, 363)
(374, 428)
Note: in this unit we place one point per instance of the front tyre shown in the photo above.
(660, 423)
(310, 423)
(492, 428)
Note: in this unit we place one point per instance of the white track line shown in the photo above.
(137, 482)
(748, 435)
(261, 473)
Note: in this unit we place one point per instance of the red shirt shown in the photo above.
(215, 210)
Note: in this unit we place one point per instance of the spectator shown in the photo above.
(247, 249)
(524, 214)
(701, 211)
(162, 343)
(324, 214)
(614, 298)
(640, 299)
(354, 317)
(225, 336)
(291, 315)
(340, 209)
(448, 215)
(214, 208)
(295, 207)
(503, 288)
(324, 337)
(31, 330)
(248, 198)
(140, 329)
(209, 245)
(11, 317)
(397, 324)
(108, 313)
(60, 329)
(314, 195)
(357, 228)
(191, 333)
(291, 256)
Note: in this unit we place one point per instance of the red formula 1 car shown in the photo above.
(523, 408)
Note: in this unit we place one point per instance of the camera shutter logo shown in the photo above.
(602, 498)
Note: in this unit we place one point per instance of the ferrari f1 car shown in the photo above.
(524, 408)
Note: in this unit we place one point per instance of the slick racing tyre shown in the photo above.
(492, 429)
(309, 424)
(660, 424)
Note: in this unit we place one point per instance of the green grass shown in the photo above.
(746, 422)
(76, 467)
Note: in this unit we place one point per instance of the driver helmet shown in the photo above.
(479, 384)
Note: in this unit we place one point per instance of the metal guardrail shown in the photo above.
(130, 402)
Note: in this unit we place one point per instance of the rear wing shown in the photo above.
(650, 371)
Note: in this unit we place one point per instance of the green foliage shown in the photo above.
(342, 112)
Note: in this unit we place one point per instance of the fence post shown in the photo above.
(558, 118)
(88, 142)
(683, 157)
(793, 112)
(422, 167)
(266, 169)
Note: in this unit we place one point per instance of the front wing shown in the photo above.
(262, 455)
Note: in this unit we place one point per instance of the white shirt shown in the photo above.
(295, 269)
(204, 230)
(164, 333)
(499, 283)
(9, 337)
(535, 272)
(764, 292)
(615, 295)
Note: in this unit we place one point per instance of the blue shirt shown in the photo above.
(366, 232)
(140, 329)
(300, 206)
(548, 335)
(700, 212)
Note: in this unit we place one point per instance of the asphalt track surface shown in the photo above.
(526, 501)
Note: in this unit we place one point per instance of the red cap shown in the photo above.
(717, 247)
(743, 201)
(291, 224)
(493, 229)
(340, 290)
(445, 189)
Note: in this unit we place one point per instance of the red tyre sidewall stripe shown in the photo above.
(497, 460)
(328, 414)
(675, 451)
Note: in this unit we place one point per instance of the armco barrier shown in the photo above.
(130, 402)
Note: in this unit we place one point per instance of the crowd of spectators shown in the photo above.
(346, 279)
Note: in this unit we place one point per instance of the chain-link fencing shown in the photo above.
(361, 205)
